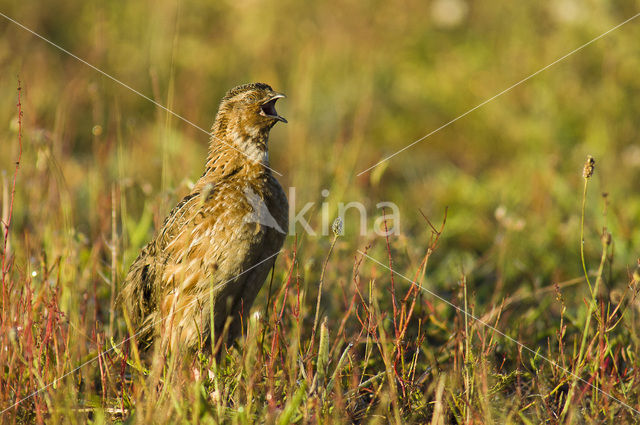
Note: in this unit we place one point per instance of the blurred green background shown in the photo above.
(363, 79)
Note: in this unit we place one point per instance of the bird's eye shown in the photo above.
(251, 98)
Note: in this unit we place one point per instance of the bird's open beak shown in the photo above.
(268, 109)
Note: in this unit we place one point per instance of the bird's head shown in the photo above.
(248, 112)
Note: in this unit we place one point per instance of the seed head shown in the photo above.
(338, 227)
(589, 166)
(323, 352)
(606, 237)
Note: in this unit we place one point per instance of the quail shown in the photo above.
(217, 245)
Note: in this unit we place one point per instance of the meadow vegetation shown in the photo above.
(494, 208)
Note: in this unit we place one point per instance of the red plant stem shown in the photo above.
(414, 288)
(393, 284)
(102, 367)
(270, 371)
(286, 292)
(296, 310)
(5, 262)
(345, 317)
(398, 349)
(356, 277)
(123, 369)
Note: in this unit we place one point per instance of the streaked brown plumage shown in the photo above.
(215, 237)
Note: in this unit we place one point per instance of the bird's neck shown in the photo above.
(238, 152)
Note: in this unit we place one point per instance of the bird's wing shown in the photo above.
(140, 290)
(207, 249)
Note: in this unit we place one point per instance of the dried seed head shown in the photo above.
(589, 166)
(338, 227)
(323, 352)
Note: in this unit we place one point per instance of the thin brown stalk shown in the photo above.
(7, 219)
(319, 297)
(393, 284)
(112, 301)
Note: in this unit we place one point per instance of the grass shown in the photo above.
(496, 218)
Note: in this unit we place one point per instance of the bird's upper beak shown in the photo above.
(268, 109)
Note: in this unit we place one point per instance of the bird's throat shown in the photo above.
(241, 152)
